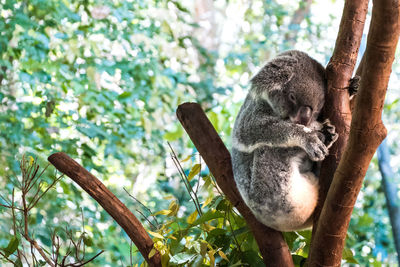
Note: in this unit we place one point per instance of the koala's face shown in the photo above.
(294, 86)
(301, 99)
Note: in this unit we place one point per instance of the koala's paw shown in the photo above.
(354, 84)
(329, 133)
(316, 149)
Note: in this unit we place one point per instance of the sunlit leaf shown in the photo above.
(208, 216)
(187, 158)
(208, 201)
(192, 217)
(182, 258)
(163, 212)
(152, 252)
(157, 235)
(349, 256)
(222, 255)
(194, 171)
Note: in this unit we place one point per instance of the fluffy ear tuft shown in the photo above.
(275, 73)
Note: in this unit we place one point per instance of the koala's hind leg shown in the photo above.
(268, 187)
(303, 194)
(281, 196)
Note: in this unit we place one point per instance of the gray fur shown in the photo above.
(274, 157)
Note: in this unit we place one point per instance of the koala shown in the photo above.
(278, 141)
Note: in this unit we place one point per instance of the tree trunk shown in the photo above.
(337, 106)
(366, 133)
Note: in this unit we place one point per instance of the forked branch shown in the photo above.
(366, 133)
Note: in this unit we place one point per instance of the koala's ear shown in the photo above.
(275, 73)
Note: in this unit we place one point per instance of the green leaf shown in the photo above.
(290, 238)
(194, 171)
(156, 235)
(348, 256)
(298, 260)
(11, 247)
(187, 158)
(18, 263)
(215, 202)
(365, 220)
(252, 258)
(88, 241)
(162, 212)
(213, 117)
(192, 217)
(208, 216)
(152, 252)
(182, 258)
(174, 135)
(306, 235)
(124, 95)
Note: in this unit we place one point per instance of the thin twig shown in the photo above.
(6, 258)
(233, 233)
(5, 200)
(198, 179)
(131, 254)
(39, 249)
(37, 177)
(185, 180)
(145, 207)
(85, 262)
(32, 204)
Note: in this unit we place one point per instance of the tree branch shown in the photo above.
(272, 246)
(337, 106)
(366, 133)
(109, 202)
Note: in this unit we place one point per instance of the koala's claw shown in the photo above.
(328, 127)
(354, 84)
(329, 132)
(316, 150)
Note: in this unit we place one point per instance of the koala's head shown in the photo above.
(294, 85)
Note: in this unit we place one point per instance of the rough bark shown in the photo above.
(272, 246)
(366, 133)
(337, 105)
(109, 202)
(390, 190)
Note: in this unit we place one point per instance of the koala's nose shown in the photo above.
(304, 115)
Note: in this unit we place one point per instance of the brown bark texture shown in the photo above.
(121, 214)
(337, 106)
(272, 246)
(366, 133)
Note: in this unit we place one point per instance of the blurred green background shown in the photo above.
(101, 80)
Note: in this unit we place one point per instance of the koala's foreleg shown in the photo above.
(251, 134)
